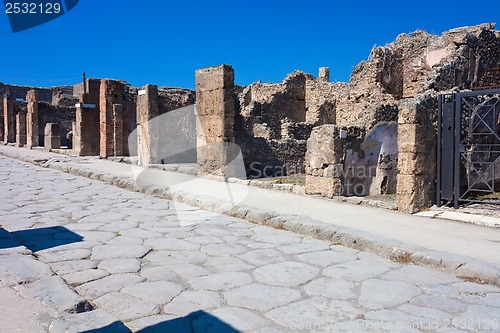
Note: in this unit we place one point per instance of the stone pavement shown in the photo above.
(464, 249)
(100, 257)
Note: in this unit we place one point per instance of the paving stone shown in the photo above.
(384, 318)
(19, 269)
(419, 275)
(441, 303)
(263, 257)
(72, 266)
(326, 258)
(52, 291)
(106, 217)
(119, 227)
(432, 314)
(491, 300)
(313, 312)
(125, 241)
(81, 277)
(160, 324)
(158, 292)
(227, 264)
(98, 236)
(141, 233)
(223, 249)
(211, 231)
(171, 244)
(477, 318)
(258, 245)
(441, 290)
(277, 238)
(204, 240)
(307, 245)
(126, 307)
(261, 297)
(190, 301)
(221, 281)
(240, 320)
(87, 322)
(475, 288)
(103, 252)
(176, 257)
(331, 288)
(158, 273)
(77, 227)
(380, 294)
(357, 270)
(67, 255)
(115, 266)
(288, 274)
(108, 284)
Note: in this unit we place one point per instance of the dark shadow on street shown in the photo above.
(196, 322)
(38, 239)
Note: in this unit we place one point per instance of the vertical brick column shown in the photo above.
(148, 136)
(118, 129)
(215, 107)
(52, 139)
(21, 129)
(32, 135)
(9, 120)
(111, 92)
(86, 131)
(417, 153)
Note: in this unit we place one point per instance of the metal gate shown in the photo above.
(468, 149)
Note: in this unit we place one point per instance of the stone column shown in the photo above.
(148, 136)
(324, 74)
(111, 92)
(21, 129)
(118, 129)
(32, 138)
(52, 139)
(417, 153)
(9, 120)
(215, 107)
(86, 130)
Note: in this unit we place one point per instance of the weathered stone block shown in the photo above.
(324, 147)
(327, 187)
(213, 78)
(148, 139)
(413, 138)
(52, 139)
(414, 193)
(21, 129)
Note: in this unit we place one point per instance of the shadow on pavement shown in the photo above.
(196, 322)
(39, 239)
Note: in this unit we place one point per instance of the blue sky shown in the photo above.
(162, 42)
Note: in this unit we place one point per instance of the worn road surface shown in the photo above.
(100, 257)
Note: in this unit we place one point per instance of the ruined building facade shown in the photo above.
(374, 135)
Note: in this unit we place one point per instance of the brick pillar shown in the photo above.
(215, 107)
(9, 120)
(86, 130)
(111, 92)
(21, 129)
(118, 129)
(52, 139)
(148, 136)
(417, 153)
(32, 138)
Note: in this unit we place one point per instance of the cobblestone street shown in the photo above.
(103, 257)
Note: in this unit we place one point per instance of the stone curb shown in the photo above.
(461, 266)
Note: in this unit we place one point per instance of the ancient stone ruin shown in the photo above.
(374, 135)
